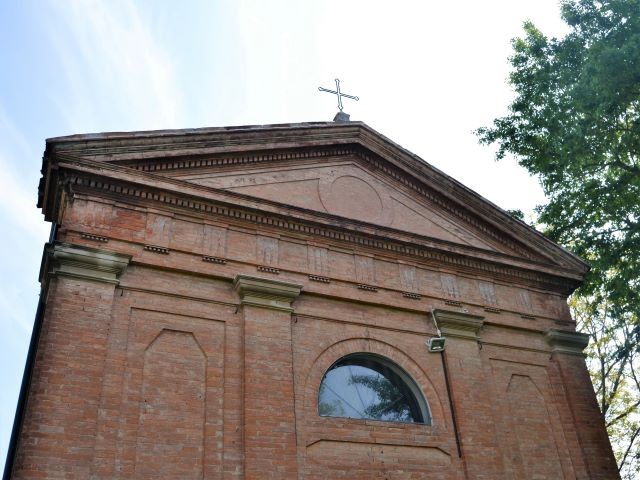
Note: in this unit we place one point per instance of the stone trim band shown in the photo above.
(459, 325)
(564, 341)
(266, 293)
(79, 261)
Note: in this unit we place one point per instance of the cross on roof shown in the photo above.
(338, 93)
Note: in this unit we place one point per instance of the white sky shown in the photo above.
(427, 73)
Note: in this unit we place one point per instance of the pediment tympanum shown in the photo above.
(347, 190)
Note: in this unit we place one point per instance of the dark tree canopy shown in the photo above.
(575, 124)
(391, 404)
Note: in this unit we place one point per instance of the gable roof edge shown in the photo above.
(493, 214)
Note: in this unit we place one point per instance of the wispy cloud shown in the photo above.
(17, 188)
(117, 74)
(24, 232)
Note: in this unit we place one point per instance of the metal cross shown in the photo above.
(338, 93)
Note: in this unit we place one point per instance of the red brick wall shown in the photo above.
(59, 429)
(168, 375)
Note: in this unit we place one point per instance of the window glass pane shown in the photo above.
(364, 387)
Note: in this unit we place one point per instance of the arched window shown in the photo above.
(369, 386)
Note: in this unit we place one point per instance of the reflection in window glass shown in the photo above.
(362, 386)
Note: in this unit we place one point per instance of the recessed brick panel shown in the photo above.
(171, 420)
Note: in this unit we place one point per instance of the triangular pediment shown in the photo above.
(347, 174)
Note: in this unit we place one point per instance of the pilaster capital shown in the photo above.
(458, 324)
(266, 293)
(79, 261)
(564, 341)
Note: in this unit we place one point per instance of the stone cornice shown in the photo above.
(264, 141)
(458, 324)
(174, 194)
(242, 159)
(570, 343)
(266, 293)
(79, 261)
(123, 147)
(371, 161)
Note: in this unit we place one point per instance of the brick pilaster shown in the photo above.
(269, 413)
(470, 395)
(566, 352)
(59, 427)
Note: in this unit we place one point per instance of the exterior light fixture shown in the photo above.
(436, 344)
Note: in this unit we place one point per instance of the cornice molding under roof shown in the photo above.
(271, 142)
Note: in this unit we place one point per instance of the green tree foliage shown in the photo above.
(616, 379)
(328, 407)
(575, 124)
(390, 404)
(517, 213)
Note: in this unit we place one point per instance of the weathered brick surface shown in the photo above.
(269, 433)
(59, 431)
(592, 436)
(170, 375)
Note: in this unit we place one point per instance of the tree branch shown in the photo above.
(623, 414)
(626, 453)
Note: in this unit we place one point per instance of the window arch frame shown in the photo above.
(408, 381)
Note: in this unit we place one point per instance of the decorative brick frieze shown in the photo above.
(457, 324)
(368, 288)
(563, 341)
(95, 238)
(492, 310)
(453, 303)
(157, 249)
(319, 278)
(267, 269)
(79, 261)
(414, 296)
(265, 292)
(207, 258)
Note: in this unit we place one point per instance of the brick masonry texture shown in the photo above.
(161, 366)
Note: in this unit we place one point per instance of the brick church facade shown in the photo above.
(259, 302)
